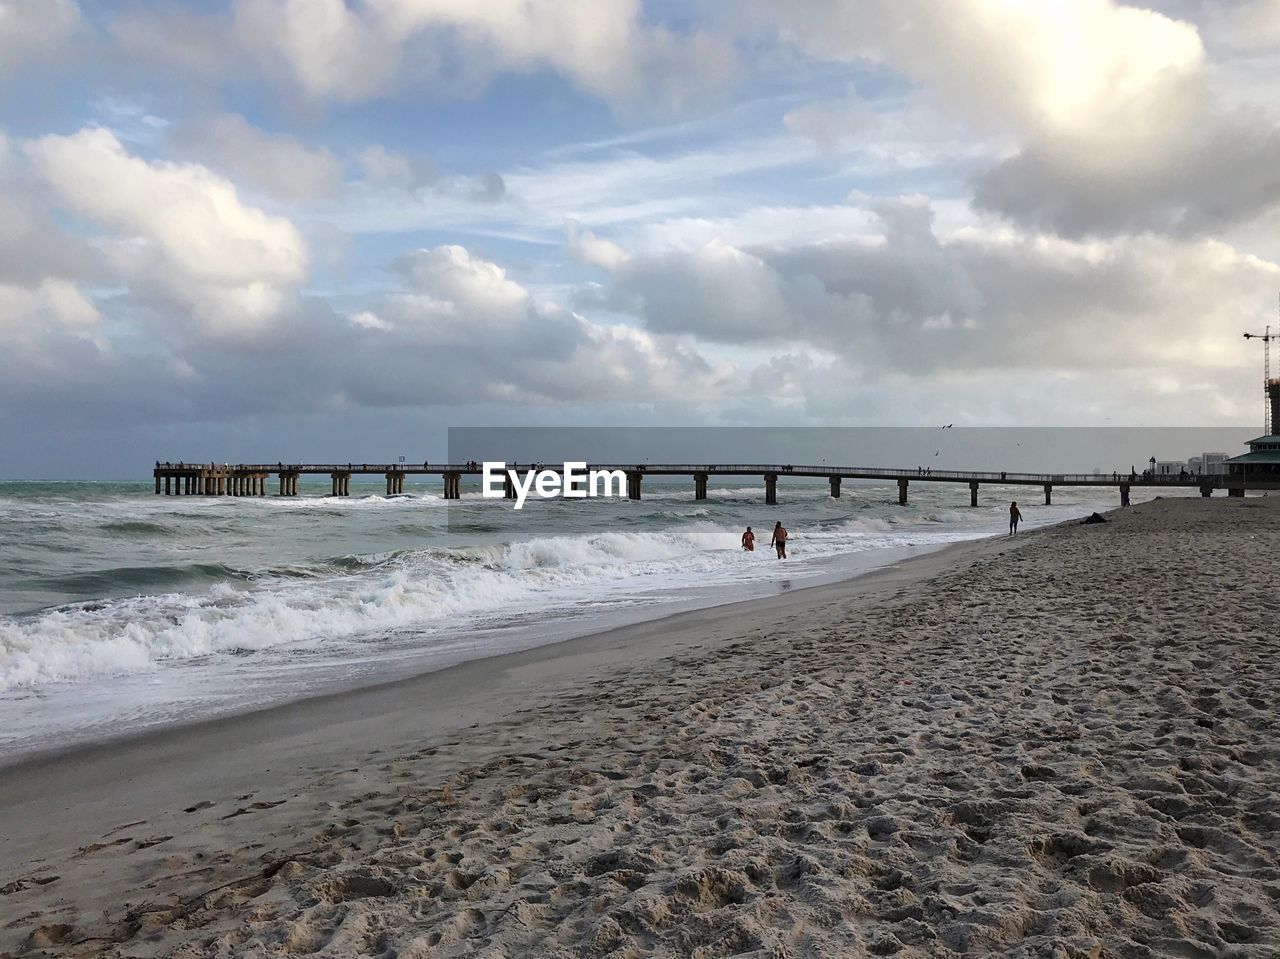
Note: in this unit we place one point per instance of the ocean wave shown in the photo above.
(137, 528)
(368, 597)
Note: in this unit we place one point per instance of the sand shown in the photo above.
(1061, 745)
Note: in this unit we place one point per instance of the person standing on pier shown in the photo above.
(749, 541)
(779, 541)
(1014, 516)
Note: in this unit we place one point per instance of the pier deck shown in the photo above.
(250, 479)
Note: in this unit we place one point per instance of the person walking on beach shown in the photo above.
(779, 541)
(749, 541)
(1014, 516)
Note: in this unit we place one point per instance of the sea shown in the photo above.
(122, 611)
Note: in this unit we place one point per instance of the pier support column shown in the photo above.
(835, 487)
(346, 484)
(262, 485)
(453, 486)
(973, 493)
(168, 486)
(633, 485)
(699, 485)
(771, 489)
(390, 483)
(1206, 490)
(399, 482)
(157, 484)
(333, 484)
(1048, 494)
(1124, 494)
(1235, 490)
(902, 492)
(508, 487)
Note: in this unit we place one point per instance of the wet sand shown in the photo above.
(1060, 745)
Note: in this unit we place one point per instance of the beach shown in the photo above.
(1061, 744)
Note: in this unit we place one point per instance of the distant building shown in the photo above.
(1207, 464)
(1215, 464)
(1170, 467)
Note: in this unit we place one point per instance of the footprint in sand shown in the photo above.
(254, 807)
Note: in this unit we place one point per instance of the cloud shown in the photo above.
(1112, 107)
(1088, 73)
(832, 122)
(1253, 25)
(915, 302)
(277, 164)
(33, 29)
(53, 301)
(597, 251)
(334, 51)
(176, 231)
(1225, 173)
(388, 168)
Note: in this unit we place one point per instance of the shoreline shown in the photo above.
(1003, 742)
(568, 630)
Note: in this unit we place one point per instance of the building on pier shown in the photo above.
(1260, 465)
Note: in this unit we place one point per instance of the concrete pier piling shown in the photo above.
(699, 485)
(835, 487)
(973, 493)
(633, 484)
(902, 492)
(771, 489)
(453, 485)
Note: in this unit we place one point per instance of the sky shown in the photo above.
(316, 229)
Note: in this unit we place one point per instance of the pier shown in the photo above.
(251, 479)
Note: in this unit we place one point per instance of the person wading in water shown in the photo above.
(749, 541)
(1014, 516)
(780, 539)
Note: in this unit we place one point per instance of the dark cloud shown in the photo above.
(1219, 177)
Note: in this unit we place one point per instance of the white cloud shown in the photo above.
(54, 301)
(1089, 73)
(1116, 118)
(336, 51)
(278, 164)
(471, 284)
(177, 229)
(595, 250)
(31, 29)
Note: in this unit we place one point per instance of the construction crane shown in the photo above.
(1268, 384)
